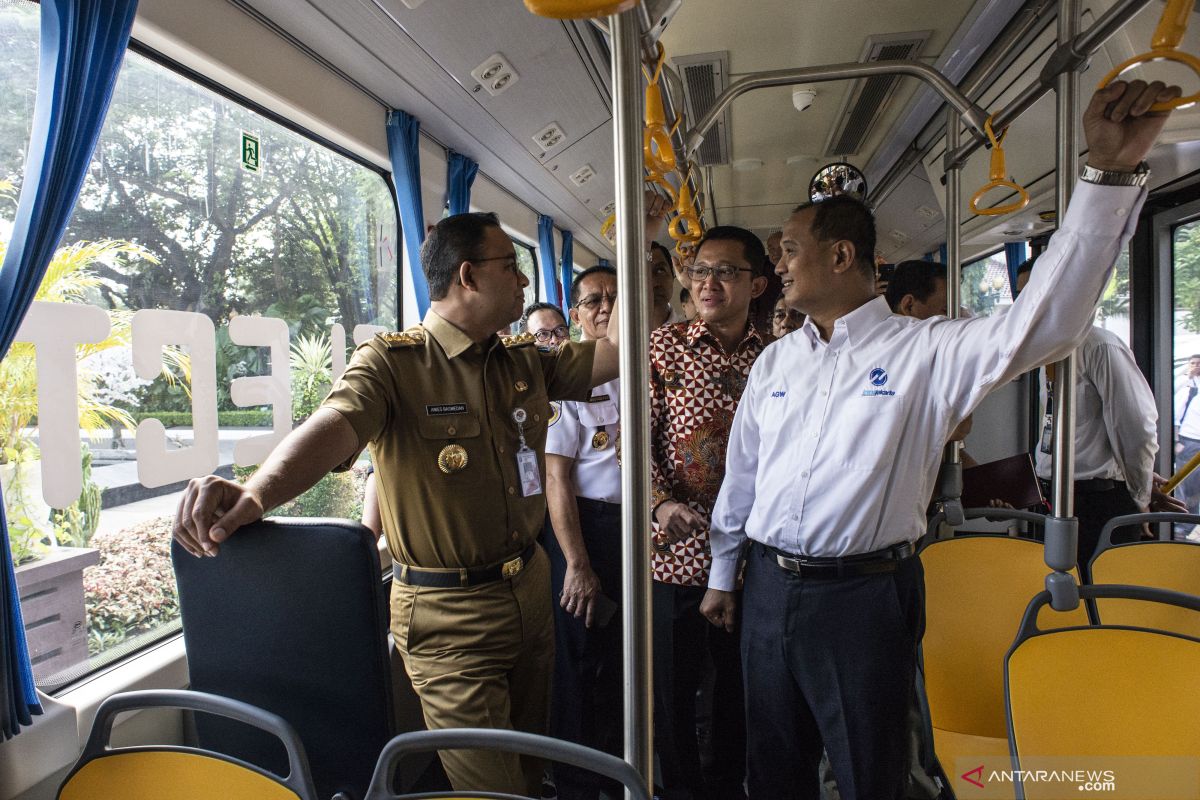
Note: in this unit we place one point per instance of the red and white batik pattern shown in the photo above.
(695, 387)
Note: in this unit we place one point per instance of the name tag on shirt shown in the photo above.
(527, 468)
(446, 409)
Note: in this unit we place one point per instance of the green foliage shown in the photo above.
(311, 362)
(1187, 274)
(245, 418)
(132, 589)
(75, 524)
(338, 494)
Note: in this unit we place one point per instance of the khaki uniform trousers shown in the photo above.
(482, 657)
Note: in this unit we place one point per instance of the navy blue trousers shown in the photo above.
(587, 704)
(829, 662)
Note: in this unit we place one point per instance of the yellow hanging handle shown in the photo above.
(578, 9)
(998, 179)
(1164, 47)
(685, 227)
(657, 148)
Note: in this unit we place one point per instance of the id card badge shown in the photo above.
(527, 468)
(1048, 434)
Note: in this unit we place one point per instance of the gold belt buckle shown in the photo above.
(511, 567)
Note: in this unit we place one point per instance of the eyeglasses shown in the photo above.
(544, 335)
(724, 272)
(512, 259)
(593, 301)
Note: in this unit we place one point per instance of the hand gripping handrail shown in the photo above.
(1164, 46)
(998, 179)
(972, 115)
(578, 9)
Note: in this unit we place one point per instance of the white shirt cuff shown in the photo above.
(723, 575)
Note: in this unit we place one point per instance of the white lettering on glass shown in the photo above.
(273, 389)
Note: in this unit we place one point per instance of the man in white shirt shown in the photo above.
(835, 448)
(583, 495)
(1187, 432)
(1116, 434)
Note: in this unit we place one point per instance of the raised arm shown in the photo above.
(213, 508)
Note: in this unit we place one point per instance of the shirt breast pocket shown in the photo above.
(453, 441)
(874, 436)
(598, 415)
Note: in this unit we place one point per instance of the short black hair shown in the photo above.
(452, 241)
(533, 308)
(844, 217)
(663, 248)
(918, 278)
(684, 295)
(1026, 266)
(577, 281)
(752, 246)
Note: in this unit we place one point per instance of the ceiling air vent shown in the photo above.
(705, 76)
(868, 96)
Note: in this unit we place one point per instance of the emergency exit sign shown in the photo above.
(251, 152)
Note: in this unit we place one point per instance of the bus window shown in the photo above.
(527, 263)
(1113, 313)
(193, 203)
(1185, 378)
(985, 285)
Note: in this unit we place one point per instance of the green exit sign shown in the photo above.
(251, 152)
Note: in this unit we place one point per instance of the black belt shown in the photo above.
(1091, 485)
(461, 578)
(874, 563)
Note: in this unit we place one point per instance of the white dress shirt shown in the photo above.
(572, 433)
(835, 445)
(1187, 416)
(1116, 422)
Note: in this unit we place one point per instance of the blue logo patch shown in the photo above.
(778, 393)
(878, 376)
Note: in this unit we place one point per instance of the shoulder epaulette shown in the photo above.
(518, 340)
(408, 338)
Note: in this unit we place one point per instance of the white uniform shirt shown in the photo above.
(835, 446)
(1187, 417)
(572, 433)
(1116, 423)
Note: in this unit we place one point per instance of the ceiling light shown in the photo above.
(794, 160)
(803, 98)
(747, 164)
(495, 74)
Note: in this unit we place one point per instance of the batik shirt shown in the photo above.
(694, 391)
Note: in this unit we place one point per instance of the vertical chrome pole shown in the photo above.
(949, 489)
(1062, 530)
(633, 279)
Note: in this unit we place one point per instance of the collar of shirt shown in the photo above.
(698, 328)
(453, 341)
(853, 326)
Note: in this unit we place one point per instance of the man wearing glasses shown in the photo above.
(698, 371)
(546, 323)
(583, 494)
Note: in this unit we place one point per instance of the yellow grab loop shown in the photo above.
(685, 227)
(608, 225)
(578, 9)
(1164, 47)
(998, 179)
(657, 148)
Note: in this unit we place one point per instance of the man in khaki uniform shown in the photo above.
(456, 418)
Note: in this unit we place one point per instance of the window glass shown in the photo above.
(527, 263)
(1186, 372)
(1113, 313)
(193, 203)
(985, 285)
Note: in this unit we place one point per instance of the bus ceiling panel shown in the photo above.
(586, 170)
(551, 83)
(910, 223)
(364, 42)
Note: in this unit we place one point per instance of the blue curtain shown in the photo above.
(1014, 255)
(82, 45)
(460, 174)
(942, 254)
(566, 269)
(928, 256)
(403, 135)
(546, 256)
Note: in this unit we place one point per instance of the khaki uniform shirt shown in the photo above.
(411, 395)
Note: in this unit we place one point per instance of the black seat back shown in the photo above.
(292, 617)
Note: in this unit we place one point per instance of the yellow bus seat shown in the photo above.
(976, 589)
(1171, 565)
(173, 772)
(1106, 697)
(505, 740)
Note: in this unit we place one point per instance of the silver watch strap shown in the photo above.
(1105, 177)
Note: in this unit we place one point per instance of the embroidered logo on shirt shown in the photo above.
(878, 378)
(555, 412)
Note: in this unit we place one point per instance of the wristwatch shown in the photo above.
(1108, 177)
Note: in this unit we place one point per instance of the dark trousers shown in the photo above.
(587, 704)
(684, 644)
(1094, 509)
(829, 661)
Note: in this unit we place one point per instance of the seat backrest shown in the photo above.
(1162, 565)
(1106, 697)
(292, 617)
(152, 771)
(976, 589)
